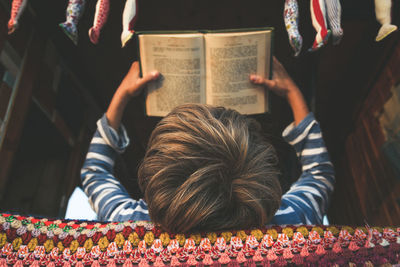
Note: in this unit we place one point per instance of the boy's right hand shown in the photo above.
(284, 86)
(281, 83)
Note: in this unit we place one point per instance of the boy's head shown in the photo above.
(208, 169)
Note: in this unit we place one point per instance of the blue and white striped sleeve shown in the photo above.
(108, 197)
(307, 199)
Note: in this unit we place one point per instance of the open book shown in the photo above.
(206, 67)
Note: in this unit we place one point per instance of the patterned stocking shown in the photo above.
(319, 22)
(382, 12)
(100, 18)
(334, 11)
(74, 12)
(17, 9)
(128, 21)
(291, 17)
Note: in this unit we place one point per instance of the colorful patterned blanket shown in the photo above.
(33, 241)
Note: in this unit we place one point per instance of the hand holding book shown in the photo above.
(130, 86)
(283, 85)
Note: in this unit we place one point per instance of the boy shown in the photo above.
(208, 168)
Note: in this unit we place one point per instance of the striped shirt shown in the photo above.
(306, 201)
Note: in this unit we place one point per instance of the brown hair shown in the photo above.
(208, 168)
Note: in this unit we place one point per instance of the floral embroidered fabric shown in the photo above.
(42, 241)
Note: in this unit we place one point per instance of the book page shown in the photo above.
(230, 59)
(180, 60)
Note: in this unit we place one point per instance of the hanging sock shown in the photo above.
(17, 8)
(319, 22)
(291, 17)
(74, 13)
(382, 12)
(128, 21)
(102, 8)
(334, 11)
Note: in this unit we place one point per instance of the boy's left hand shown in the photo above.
(132, 84)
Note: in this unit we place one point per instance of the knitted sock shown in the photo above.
(291, 17)
(382, 12)
(319, 22)
(128, 21)
(334, 11)
(74, 13)
(100, 18)
(17, 9)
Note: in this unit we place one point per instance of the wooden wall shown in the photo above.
(366, 189)
(48, 118)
